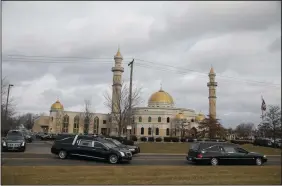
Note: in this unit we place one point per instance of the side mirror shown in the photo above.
(106, 148)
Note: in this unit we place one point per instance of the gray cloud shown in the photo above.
(240, 39)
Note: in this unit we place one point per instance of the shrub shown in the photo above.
(159, 139)
(151, 139)
(241, 142)
(133, 138)
(143, 138)
(171, 139)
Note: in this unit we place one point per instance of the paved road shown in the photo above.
(38, 153)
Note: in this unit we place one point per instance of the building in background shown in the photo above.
(159, 119)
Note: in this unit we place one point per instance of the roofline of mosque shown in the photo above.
(83, 112)
(165, 108)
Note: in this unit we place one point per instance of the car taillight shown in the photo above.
(199, 156)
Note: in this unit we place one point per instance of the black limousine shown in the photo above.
(90, 147)
(217, 153)
(132, 148)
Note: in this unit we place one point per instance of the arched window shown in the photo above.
(140, 119)
(96, 125)
(142, 131)
(149, 119)
(86, 125)
(159, 119)
(167, 131)
(76, 124)
(167, 119)
(149, 131)
(157, 131)
(192, 120)
(65, 124)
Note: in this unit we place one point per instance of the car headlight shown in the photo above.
(132, 149)
(122, 153)
(4, 143)
(264, 156)
(23, 143)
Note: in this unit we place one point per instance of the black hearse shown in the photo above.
(132, 148)
(215, 153)
(90, 147)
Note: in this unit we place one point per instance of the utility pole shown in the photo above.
(7, 103)
(130, 97)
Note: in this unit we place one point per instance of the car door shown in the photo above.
(231, 156)
(83, 148)
(243, 156)
(100, 151)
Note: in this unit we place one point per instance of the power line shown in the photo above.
(205, 74)
(186, 73)
(60, 57)
(73, 60)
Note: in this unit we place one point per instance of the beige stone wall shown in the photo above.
(103, 121)
(39, 122)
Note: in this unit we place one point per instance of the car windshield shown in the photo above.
(14, 137)
(110, 145)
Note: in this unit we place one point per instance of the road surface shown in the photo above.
(38, 154)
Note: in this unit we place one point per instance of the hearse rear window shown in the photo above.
(195, 146)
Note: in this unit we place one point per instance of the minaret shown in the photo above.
(117, 81)
(212, 94)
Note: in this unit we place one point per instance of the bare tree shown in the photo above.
(120, 108)
(87, 116)
(59, 119)
(244, 130)
(272, 123)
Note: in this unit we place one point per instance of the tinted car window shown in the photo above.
(213, 149)
(229, 149)
(85, 143)
(98, 145)
(240, 150)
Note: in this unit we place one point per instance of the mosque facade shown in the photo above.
(160, 118)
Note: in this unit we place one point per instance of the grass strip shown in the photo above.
(90, 175)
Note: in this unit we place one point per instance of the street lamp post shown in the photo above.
(7, 103)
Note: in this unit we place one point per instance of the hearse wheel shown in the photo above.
(258, 161)
(62, 154)
(214, 161)
(113, 159)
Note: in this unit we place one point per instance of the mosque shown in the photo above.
(159, 119)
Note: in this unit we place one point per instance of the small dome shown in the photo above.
(57, 106)
(161, 99)
(200, 117)
(180, 116)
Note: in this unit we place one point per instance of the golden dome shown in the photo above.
(57, 106)
(200, 117)
(180, 116)
(161, 97)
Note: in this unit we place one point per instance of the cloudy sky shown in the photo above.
(66, 49)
